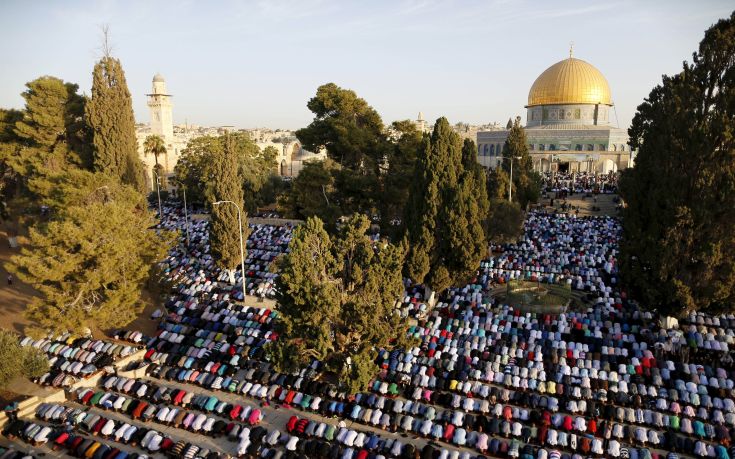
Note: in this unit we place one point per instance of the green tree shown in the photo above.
(226, 185)
(497, 184)
(154, 145)
(16, 360)
(475, 176)
(91, 260)
(273, 188)
(353, 135)
(678, 245)
(312, 194)
(194, 168)
(337, 301)
(405, 144)
(505, 221)
(109, 113)
(446, 213)
(8, 147)
(526, 182)
(48, 136)
(160, 175)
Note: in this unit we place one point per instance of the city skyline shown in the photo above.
(256, 64)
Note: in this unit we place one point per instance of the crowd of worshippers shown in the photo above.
(480, 379)
(605, 381)
(73, 358)
(193, 270)
(580, 252)
(568, 183)
(12, 452)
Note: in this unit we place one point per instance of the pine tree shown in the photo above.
(447, 210)
(49, 136)
(352, 133)
(226, 185)
(337, 300)
(526, 182)
(91, 260)
(678, 245)
(109, 113)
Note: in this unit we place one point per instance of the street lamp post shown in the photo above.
(158, 190)
(242, 250)
(510, 183)
(186, 216)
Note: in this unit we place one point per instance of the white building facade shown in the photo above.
(567, 124)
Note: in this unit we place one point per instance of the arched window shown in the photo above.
(578, 147)
(492, 150)
(601, 147)
(590, 147)
(541, 147)
(552, 147)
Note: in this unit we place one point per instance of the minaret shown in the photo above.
(162, 122)
(421, 123)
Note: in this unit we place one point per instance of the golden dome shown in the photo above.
(571, 81)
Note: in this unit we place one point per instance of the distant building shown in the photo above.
(162, 125)
(290, 159)
(567, 123)
(421, 124)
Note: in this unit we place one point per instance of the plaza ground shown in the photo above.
(604, 201)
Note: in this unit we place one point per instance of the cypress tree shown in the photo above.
(109, 113)
(448, 207)
(678, 245)
(226, 185)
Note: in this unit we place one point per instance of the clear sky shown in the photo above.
(256, 63)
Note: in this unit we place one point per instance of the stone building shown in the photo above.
(162, 125)
(567, 123)
(290, 160)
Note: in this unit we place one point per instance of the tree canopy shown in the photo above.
(336, 298)
(526, 182)
(109, 114)
(254, 167)
(154, 145)
(312, 194)
(678, 245)
(446, 212)
(91, 260)
(16, 360)
(353, 135)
